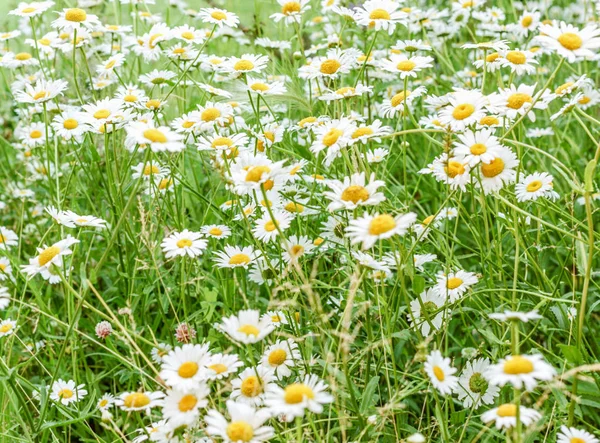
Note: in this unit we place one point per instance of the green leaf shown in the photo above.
(368, 395)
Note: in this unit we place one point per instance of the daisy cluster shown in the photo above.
(308, 220)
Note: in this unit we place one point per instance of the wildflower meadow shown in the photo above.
(250, 221)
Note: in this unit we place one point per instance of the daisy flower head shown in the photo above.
(427, 311)
(159, 139)
(520, 62)
(405, 66)
(218, 17)
(335, 63)
(182, 407)
(246, 327)
(453, 171)
(140, 401)
(440, 372)
(465, 108)
(8, 238)
(472, 388)
(105, 402)
(5, 270)
(399, 101)
(31, 9)
(295, 398)
(377, 155)
(370, 228)
(157, 78)
(251, 385)
(535, 186)
(184, 244)
(291, 11)
(521, 371)
(252, 173)
(271, 224)
(332, 137)
(569, 41)
(295, 247)
(574, 435)
(182, 367)
(50, 257)
(246, 424)
(74, 19)
(476, 147)
(498, 172)
(245, 64)
(69, 126)
(354, 191)
(379, 15)
(505, 416)
(454, 285)
(527, 22)
(517, 101)
(220, 366)
(8, 326)
(214, 114)
(508, 316)
(41, 92)
(66, 392)
(346, 92)
(216, 231)
(263, 87)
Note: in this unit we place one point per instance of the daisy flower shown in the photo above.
(505, 416)
(148, 170)
(465, 108)
(292, 400)
(291, 11)
(214, 114)
(182, 367)
(246, 63)
(427, 311)
(245, 424)
(157, 78)
(507, 316)
(219, 17)
(159, 352)
(440, 372)
(184, 243)
(498, 172)
(32, 9)
(377, 155)
(379, 15)
(105, 402)
(332, 136)
(354, 191)
(405, 66)
(295, 247)
(527, 22)
(515, 101)
(8, 326)
(399, 101)
(219, 366)
(66, 392)
(534, 186)
(455, 284)
(476, 147)
(8, 238)
(370, 228)
(251, 385)
(5, 269)
(69, 126)
(519, 61)
(159, 139)
(335, 63)
(263, 87)
(216, 231)
(569, 41)
(41, 92)
(521, 371)
(473, 389)
(73, 19)
(267, 228)
(246, 327)
(139, 401)
(49, 257)
(181, 407)
(574, 435)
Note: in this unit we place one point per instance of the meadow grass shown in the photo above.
(388, 299)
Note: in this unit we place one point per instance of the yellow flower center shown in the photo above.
(577, 440)
(277, 357)
(345, 90)
(255, 174)
(48, 254)
(75, 15)
(217, 232)
(507, 410)
(188, 369)
(439, 373)
(239, 259)
(516, 57)
(240, 431)
(28, 10)
(151, 169)
(130, 98)
(270, 226)
(306, 120)
(35, 134)
(219, 368)
(136, 400)
(249, 330)
(492, 57)
(518, 365)
(40, 95)
(584, 100)
(290, 8)
(330, 67)
(101, 113)
(355, 193)
(489, 120)
(210, 114)
(187, 403)
(360, 132)
(165, 183)
(218, 15)
(179, 51)
(65, 393)
(332, 137)
(381, 224)
(22, 56)
(379, 14)
(454, 168)
(259, 87)
(102, 403)
(296, 250)
(5, 328)
(294, 207)
(570, 41)
(184, 243)
(478, 149)
(251, 386)
(534, 186)
(153, 104)
(406, 65)
(463, 111)
(297, 392)
(243, 65)
(399, 98)
(70, 123)
(453, 283)
(492, 168)
(155, 136)
(526, 21)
